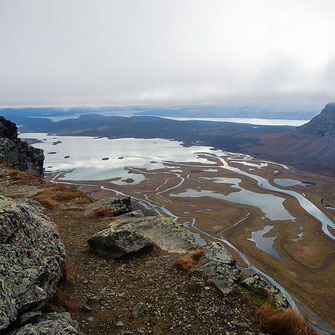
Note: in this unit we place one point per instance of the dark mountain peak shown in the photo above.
(321, 125)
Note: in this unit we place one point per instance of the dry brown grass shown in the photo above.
(103, 212)
(69, 272)
(52, 194)
(190, 260)
(23, 177)
(286, 322)
(83, 201)
(76, 208)
(46, 201)
(67, 195)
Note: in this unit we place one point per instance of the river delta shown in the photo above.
(274, 220)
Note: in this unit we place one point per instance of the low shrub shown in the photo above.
(257, 295)
(190, 260)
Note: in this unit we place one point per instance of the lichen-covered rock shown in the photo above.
(50, 324)
(116, 206)
(119, 243)
(32, 259)
(166, 233)
(17, 153)
(219, 266)
(277, 297)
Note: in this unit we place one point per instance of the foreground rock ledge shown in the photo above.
(32, 259)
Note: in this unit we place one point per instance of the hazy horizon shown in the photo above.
(164, 53)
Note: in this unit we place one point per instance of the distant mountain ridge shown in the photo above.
(321, 125)
(310, 147)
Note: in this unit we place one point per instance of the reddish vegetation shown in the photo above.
(59, 302)
(103, 212)
(286, 322)
(46, 201)
(190, 260)
(52, 194)
(83, 201)
(22, 177)
(68, 272)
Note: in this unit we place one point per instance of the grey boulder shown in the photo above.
(116, 206)
(32, 259)
(119, 243)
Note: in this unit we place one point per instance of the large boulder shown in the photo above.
(115, 205)
(166, 233)
(50, 324)
(17, 153)
(32, 259)
(119, 243)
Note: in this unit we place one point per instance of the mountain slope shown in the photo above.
(310, 147)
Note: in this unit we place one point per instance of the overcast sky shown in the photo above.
(100, 52)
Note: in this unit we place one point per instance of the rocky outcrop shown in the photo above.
(32, 260)
(119, 243)
(17, 153)
(115, 205)
(133, 233)
(219, 267)
(277, 297)
(51, 324)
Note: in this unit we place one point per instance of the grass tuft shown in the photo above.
(103, 212)
(46, 201)
(286, 322)
(190, 260)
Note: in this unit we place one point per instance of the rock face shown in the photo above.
(119, 243)
(51, 324)
(32, 260)
(277, 297)
(16, 153)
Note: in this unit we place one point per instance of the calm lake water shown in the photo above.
(89, 158)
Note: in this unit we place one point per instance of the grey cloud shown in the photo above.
(163, 52)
